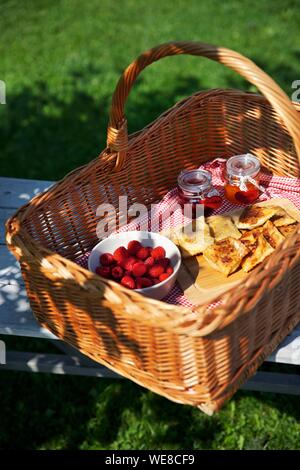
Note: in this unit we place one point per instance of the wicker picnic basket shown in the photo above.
(194, 356)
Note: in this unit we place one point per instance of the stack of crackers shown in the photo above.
(235, 241)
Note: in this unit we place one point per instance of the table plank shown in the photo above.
(10, 272)
(274, 382)
(55, 364)
(16, 317)
(60, 364)
(14, 192)
(289, 350)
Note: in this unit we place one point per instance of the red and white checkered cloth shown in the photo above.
(275, 187)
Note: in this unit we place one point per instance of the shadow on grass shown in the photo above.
(44, 136)
(70, 412)
(42, 411)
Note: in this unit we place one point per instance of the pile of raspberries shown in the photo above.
(136, 266)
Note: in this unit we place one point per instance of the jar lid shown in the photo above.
(194, 181)
(243, 165)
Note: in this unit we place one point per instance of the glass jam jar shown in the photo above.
(195, 187)
(242, 179)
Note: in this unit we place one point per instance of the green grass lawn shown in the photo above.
(60, 61)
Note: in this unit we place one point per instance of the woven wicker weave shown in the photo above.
(201, 356)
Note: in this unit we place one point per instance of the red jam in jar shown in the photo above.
(242, 179)
(195, 187)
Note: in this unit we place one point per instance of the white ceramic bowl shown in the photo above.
(152, 239)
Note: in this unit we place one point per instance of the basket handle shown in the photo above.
(117, 136)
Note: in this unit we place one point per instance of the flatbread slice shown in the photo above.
(223, 227)
(250, 237)
(225, 255)
(259, 252)
(287, 229)
(192, 239)
(272, 234)
(254, 216)
(282, 218)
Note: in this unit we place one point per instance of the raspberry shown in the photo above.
(164, 262)
(139, 269)
(103, 271)
(128, 263)
(142, 282)
(142, 253)
(163, 277)
(169, 270)
(158, 252)
(149, 261)
(106, 259)
(133, 246)
(120, 254)
(128, 281)
(156, 270)
(117, 272)
(156, 281)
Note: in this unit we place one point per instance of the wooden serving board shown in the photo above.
(201, 283)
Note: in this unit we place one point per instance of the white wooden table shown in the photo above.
(16, 318)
